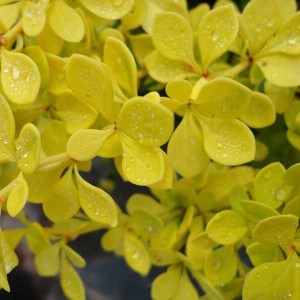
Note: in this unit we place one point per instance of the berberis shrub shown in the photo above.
(180, 100)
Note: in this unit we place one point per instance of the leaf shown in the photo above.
(20, 77)
(74, 257)
(136, 254)
(274, 280)
(37, 240)
(97, 204)
(267, 182)
(90, 81)
(18, 196)
(66, 22)
(7, 132)
(85, 144)
(229, 142)
(141, 164)
(163, 69)
(223, 98)
(121, 63)
(47, 262)
(28, 148)
(221, 265)
(71, 283)
(185, 148)
(179, 90)
(33, 19)
(14, 236)
(62, 201)
(74, 113)
(281, 70)
(226, 227)
(259, 21)
(9, 14)
(216, 32)
(162, 257)
(146, 121)
(260, 112)
(276, 230)
(172, 36)
(293, 206)
(109, 9)
(112, 240)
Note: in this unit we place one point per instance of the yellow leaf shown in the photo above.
(141, 164)
(70, 281)
(121, 63)
(20, 77)
(9, 14)
(86, 144)
(111, 147)
(7, 132)
(18, 196)
(28, 148)
(217, 30)
(66, 22)
(146, 121)
(185, 148)
(136, 254)
(108, 9)
(37, 239)
(179, 90)
(97, 204)
(74, 257)
(89, 80)
(172, 36)
(74, 113)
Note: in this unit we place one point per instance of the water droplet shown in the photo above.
(16, 73)
(280, 194)
(297, 265)
(268, 174)
(224, 155)
(270, 23)
(292, 41)
(215, 35)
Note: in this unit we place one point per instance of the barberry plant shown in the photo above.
(201, 106)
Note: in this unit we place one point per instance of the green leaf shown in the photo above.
(281, 70)
(221, 265)
(18, 196)
(276, 230)
(123, 68)
(293, 207)
(107, 9)
(172, 36)
(226, 227)
(163, 69)
(261, 253)
(141, 164)
(62, 201)
(66, 22)
(7, 132)
(47, 262)
(90, 81)
(259, 21)
(146, 121)
(223, 98)
(260, 112)
(136, 254)
(97, 204)
(85, 144)
(70, 281)
(74, 113)
(163, 257)
(28, 148)
(216, 32)
(267, 183)
(20, 77)
(274, 280)
(229, 142)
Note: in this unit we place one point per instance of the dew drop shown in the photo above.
(16, 73)
(215, 35)
(297, 264)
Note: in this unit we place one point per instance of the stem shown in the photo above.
(11, 35)
(170, 215)
(232, 71)
(52, 162)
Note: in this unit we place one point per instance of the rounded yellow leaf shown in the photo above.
(229, 142)
(136, 254)
(146, 121)
(111, 147)
(226, 227)
(66, 22)
(28, 148)
(18, 196)
(74, 113)
(86, 144)
(76, 259)
(217, 30)
(109, 9)
(141, 164)
(179, 90)
(90, 81)
(9, 14)
(97, 204)
(33, 19)
(172, 36)
(20, 77)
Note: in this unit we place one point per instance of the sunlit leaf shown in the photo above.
(74, 257)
